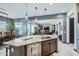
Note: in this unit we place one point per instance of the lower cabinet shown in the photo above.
(16, 51)
(49, 47)
(43, 48)
(34, 49)
(53, 46)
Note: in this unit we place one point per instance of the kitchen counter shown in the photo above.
(29, 40)
(35, 45)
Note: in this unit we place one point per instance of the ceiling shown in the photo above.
(18, 10)
(14, 10)
(55, 8)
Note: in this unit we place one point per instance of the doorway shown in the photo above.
(60, 29)
(71, 30)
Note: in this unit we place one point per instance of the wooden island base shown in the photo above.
(43, 48)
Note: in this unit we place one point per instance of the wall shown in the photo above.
(76, 28)
(54, 16)
(70, 14)
(74, 13)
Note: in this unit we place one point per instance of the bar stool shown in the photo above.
(8, 50)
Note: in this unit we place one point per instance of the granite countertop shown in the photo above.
(29, 40)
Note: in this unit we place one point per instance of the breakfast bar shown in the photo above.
(35, 45)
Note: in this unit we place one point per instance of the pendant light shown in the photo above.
(36, 14)
(26, 16)
(45, 9)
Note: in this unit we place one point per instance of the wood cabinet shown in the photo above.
(34, 49)
(49, 47)
(16, 51)
(53, 46)
(43, 48)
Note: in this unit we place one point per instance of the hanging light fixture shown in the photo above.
(45, 9)
(36, 19)
(26, 16)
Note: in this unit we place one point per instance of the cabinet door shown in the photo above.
(17, 51)
(28, 50)
(52, 46)
(45, 48)
(34, 49)
(56, 44)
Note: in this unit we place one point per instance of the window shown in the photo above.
(18, 28)
(33, 28)
(3, 26)
(28, 28)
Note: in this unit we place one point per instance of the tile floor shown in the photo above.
(63, 50)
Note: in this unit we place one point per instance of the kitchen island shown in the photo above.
(35, 45)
